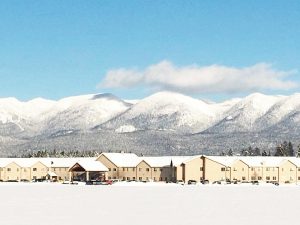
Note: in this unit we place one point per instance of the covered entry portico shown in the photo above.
(88, 170)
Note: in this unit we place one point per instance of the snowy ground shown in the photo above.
(148, 204)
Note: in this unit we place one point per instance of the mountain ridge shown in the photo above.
(79, 122)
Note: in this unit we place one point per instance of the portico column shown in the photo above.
(87, 175)
(70, 176)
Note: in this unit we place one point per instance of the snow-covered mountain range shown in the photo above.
(171, 120)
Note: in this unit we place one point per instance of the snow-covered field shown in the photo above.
(148, 204)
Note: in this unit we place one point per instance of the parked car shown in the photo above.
(204, 181)
(24, 180)
(181, 182)
(192, 182)
(255, 182)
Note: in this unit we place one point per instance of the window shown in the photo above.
(259, 178)
(155, 169)
(147, 169)
(243, 169)
(154, 178)
(123, 169)
(222, 169)
(124, 178)
(128, 178)
(253, 178)
(166, 179)
(160, 179)
(109, 169)
(115, 177)
(201, 168)
(252, 169)
(34, 169)
(115, 169)
(25, 170)
(267, 169)
(267, 178)
(109, 178)
(17, 169)
(243, 178)
(140, 169)
(227, 168)
(147, 178)
(34, 177)
(133, 178)
(274, 178)
(234, 169)
(140, 178)
(298, 169)
(8, 169)
(133, 169)
(298, 178)
(161, 169)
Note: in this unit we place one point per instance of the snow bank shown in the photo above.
(56, 204)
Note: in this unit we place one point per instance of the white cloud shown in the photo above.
(196, 79)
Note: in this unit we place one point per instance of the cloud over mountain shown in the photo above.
(201, 79)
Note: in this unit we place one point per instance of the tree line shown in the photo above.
(283, 149)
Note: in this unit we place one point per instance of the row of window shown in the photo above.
(35, 169)
(141, 178)
(140, 169)
(254, 169)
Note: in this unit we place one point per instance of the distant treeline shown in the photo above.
(60, 154)
(283, 149)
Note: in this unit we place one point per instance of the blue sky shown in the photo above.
(54, 49)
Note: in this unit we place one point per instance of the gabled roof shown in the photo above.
(224, 160)
(162, 161)
(91, 165)
(123, 159)
(62, 162)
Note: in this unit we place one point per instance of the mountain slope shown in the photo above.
(166, 111)
(243, 115)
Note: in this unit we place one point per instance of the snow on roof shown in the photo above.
(258, 161)
(5, 161)
(254, 161)
(161, 161)
(49, 162)
(123, 159)
(92, 165)
(224, 160)
(62, 162)
(52, 174)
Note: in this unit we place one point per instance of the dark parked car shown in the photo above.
(192, 182)
(204, 181)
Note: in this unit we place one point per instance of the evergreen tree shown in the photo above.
(264, 153)
(256, 151)
(230, 152)
(285, 147)
(279, 151)
(298, 151)
(290, 149)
